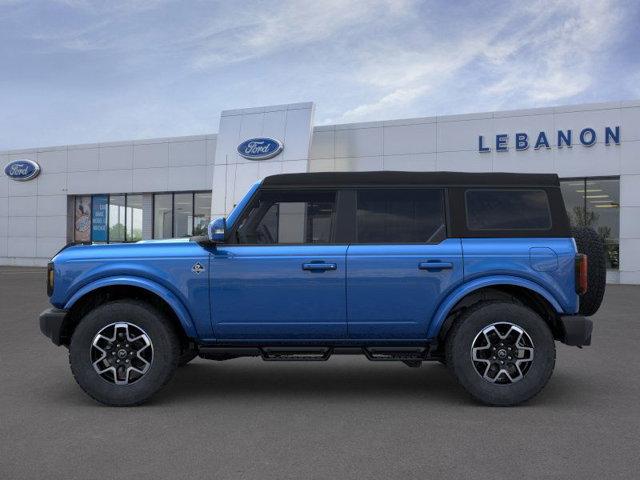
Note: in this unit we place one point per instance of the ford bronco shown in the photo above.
(480, 272)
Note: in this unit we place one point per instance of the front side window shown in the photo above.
(400, 216)
(288, 217)
(506, 209)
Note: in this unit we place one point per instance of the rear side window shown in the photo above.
(493, 209)
(400, 216)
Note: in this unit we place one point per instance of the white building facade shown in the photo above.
(171, 187)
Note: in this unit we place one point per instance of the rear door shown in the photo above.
(401, 265)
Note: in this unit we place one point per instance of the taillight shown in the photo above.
(50, 276)
(582, 267)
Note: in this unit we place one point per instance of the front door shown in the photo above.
(281, 277)
(401, 265)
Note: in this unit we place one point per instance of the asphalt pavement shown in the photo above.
(347, 418)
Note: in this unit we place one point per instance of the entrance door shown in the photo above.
(401, 266)
(280, 277)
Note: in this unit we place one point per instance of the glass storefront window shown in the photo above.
(105, 218)
(201, 212)
(183, 214)
(117, 218)
(134, 218)
(99, 216)
(82, 219)
(595, 203)
(162, 215)
(108, 218)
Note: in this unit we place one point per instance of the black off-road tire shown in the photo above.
(166, 352)
(459, 343)
(590, 243)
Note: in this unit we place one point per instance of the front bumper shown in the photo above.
(51, 324)
(576, 330)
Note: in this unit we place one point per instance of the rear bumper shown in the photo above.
(576, 330)
(51, 322)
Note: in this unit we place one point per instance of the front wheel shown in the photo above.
(502, 353)
(122, 352)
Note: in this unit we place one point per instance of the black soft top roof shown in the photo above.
(413, 178)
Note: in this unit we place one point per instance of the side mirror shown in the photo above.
(217, 230)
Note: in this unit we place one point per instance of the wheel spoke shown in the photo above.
(103, 338)
(488, 377)
(525, 350)
(120, 381)
(146, 363)
(97, 367)
(511, 377)
(480, 349)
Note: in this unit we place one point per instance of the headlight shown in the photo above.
(50, 277)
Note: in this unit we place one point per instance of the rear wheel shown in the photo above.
(502, 353)
(122, 352)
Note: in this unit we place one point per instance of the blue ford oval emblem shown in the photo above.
(260, 148)
(22, 170)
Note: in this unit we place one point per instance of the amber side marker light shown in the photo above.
(582, 268)
(50, 278)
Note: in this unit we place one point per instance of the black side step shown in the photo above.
(413, 355)
(292, 354)
(395, 354)
(227, 353)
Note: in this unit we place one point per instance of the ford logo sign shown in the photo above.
(22, 170)
(260, 148)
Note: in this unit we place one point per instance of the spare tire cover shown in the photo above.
(592, 245)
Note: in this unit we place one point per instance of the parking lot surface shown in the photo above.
(347, 418)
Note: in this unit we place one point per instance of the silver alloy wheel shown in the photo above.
(121, 353)
(502, 353)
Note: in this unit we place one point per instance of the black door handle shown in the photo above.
(435, 266)
(319, 267)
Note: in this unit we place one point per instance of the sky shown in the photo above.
(80, 71)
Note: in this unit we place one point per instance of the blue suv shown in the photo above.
(480, 272)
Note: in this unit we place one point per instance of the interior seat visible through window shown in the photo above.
(284, 217)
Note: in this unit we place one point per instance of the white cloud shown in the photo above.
(542, 51)
(122, 69)
(398, 98)
(253, 33)
(404, 77)
(555, 63)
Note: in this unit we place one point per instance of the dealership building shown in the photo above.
(171, 187)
